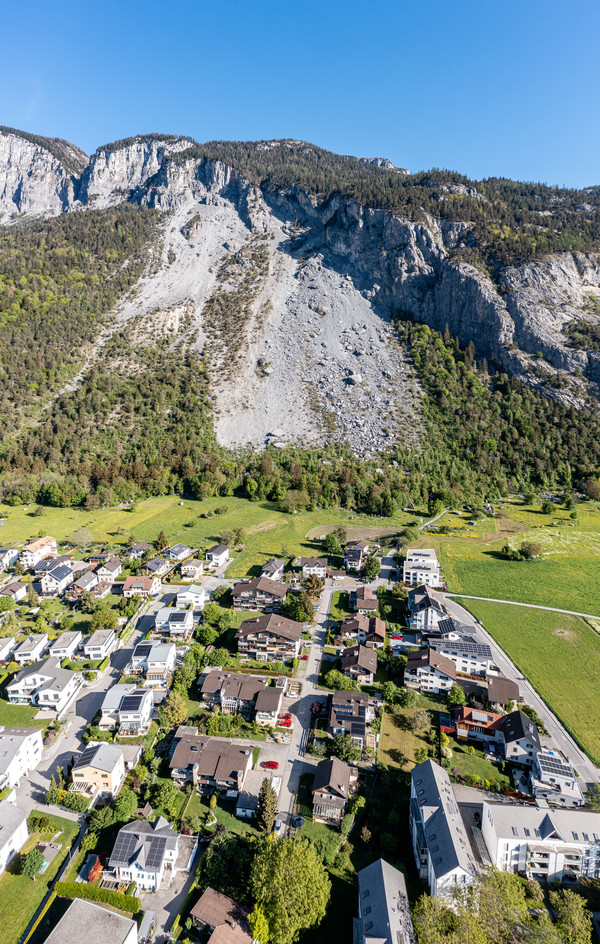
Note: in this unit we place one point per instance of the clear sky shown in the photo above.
(488, 88)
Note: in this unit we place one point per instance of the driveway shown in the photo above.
(168, 902)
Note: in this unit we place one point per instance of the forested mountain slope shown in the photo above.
(164, 299)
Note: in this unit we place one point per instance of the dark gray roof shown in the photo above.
(102, 756)
(59, 573)
(93, 922)
(144, 843)
(463, 648)
(218, 549)
(436, 811)
(334, 775)
(360, 656)
(517, 725)
(385, 912)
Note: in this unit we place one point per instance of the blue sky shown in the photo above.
(487, 88)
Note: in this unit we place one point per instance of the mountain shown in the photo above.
(265, 281)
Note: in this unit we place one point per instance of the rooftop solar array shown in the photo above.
(461, 648)
(553, 764)
(155, 851)
(125, 846)
(131, 702)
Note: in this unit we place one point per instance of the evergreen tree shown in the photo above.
(266, 811)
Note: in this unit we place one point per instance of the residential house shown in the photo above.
(351, 626)
(109, 570)
(478, 725)
(100, 557)
(109, 710)
(211, 764)
(13, 832)
(100, 644)
(16, 591)
(193, 568)
(193, 596)
(359, 663)
(224, 918)
(429, 671)
(65, 645)
(178, 552)
(501, 691)
(135, 711)
(174, 623)
(373, 634)
(143, 852)
(312, 566)
(55, 581)
(20, 752)
(7, 644)
(426, 608)
(247, 801)
(84, 584)
(355, 554)
(98, 925)
(231, 692)
(439, 836)
(268, 706)
(553, 780)
(35, 551)
(363, 601)
(31, 649)
(550, 845)
(260, 593)
(141, 587)
(217, 556)
(155, 661)
(8, 557)
(50, 563)
(521, 738)
(137, 550)
(331, 790)
(469, 657)
(273, 569)
(44, 684)
(99, 770)
(269, 637)
(349, 714)
(383, 908)
(421, 567)
(159, 566)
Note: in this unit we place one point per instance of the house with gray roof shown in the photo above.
(553, 779)
(20, 752)
(65, 645)
(98, 925)
(360, 663)
(143, 851)
(99, 769)
(13, 832)
(426, 609)
(521, 738)
(383, 910)
(43, 684)
(440, 841)
(31, 648)
(331, 789)
(56, 581)
(100, 644)
(469, 657)
(247, 801)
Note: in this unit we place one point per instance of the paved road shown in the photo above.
(560, 736)
(530, 606)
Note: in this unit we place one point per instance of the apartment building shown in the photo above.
(271, 638)
(36, 551)
(421, 567)
(20, 752)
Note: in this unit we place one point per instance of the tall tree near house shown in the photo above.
(456, 697)
(313, 586)
(174, 711)
(161, 541)
(266, 811)
(32, 864)
(32, 597)
(372, 568)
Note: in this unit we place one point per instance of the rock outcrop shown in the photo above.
(33, 180)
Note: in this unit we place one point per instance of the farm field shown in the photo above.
(559, 654)
(19, 895)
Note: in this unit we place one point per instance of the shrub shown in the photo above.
(127, 903)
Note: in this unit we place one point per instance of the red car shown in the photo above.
(270, 764)
(304, 658)
(285, 723)
(285, 714)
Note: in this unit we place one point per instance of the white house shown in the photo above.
(178, 552)
(141, 587)
(128, 707)
(8, 557)
(13, 832)
(65, 645)
(193, 568)
(421, 567)
(425, 609)
(143, 851)
(247, 800)
(20, 752)
(16, 591)
(55, 581)
(110, 569)
(35, 551)
(545, 844)
(469, 657)
(174, 623)
(383, 909)
(137, 550)
(31, 649)
(96, 924)
(100, 644)
(312, 566)
(194, 596)
(553, 779)
(7, 644)
(217, 556)
(44, 684)
(439, 836)
(155, 661)
(273, 569)
(521, 738)
(429, 671)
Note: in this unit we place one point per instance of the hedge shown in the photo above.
(104, 664)
(73, 801)
(128, 903)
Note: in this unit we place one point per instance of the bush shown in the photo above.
(72, 801)
(127, 903)
(104, 664)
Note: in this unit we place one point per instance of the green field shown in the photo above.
(21, 896)
(559, 654)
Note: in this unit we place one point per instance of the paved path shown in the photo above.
(531, 606)
(561, 738)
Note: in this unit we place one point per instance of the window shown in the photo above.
(515, 831)
(527, 832)
(575, 836)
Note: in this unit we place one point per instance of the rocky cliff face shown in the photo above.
(292, 299)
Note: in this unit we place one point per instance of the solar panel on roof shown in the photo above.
(131, 702)
(155, 852)
(465, 648)
(124, 847)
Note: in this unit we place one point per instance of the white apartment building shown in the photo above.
(55, 581)
(31, 649)
(553, 779)
(44, 684)
(13, 832)
(65, 645)
(421, 567)
(194, 596)
(36, 551)
(20, 752)
(100, 644)
(469, 657)
(545, 844)
(426, 609)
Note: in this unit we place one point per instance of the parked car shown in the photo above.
(304, 658)
(285, 723)
(278, 827)
(270, 764)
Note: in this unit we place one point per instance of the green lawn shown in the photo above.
(21, 896)
(559, 654)
(19, 716)
(468, 764)
(340, 606)
(224, 814)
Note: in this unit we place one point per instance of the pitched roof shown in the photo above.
(98, 925)
(262, 584)
(273, 565)
(348, 710)
(382, 890)
(144, 843)
(225, 915)
(214, 757)
(51, 668)
(103, 756)
(376, 627)
(429, 658)
(137, 583)
(360, 656)
(60, 573)
(334, 775)
(422, 597)
(11, 819)
(233, 685)
(502, 690)
(517, 725)
(463, 648)
(444, 832)
(218, 549)
(271, 623)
